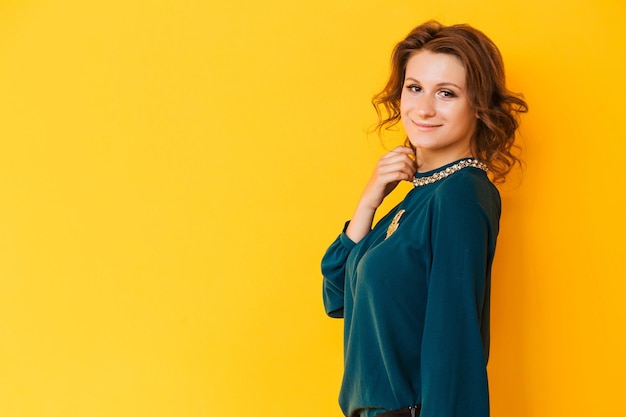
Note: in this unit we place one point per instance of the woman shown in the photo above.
(414, 290)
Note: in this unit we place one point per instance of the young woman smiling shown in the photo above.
(414, 290)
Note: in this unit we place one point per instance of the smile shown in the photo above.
(425, 126)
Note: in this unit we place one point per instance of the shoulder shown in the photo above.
(466, 188)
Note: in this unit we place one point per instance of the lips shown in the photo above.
(426, 126)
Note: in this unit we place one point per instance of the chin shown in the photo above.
(422, 144)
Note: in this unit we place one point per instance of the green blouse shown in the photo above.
(414, 294)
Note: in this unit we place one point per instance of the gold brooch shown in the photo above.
(394, 223)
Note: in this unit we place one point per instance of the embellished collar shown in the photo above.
(425, 178)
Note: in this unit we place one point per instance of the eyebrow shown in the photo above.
(438, 85)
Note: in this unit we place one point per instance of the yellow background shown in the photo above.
(172, 171)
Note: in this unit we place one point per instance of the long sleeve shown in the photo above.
(334, 272)
(455, 341)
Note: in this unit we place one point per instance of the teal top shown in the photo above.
(416, 303)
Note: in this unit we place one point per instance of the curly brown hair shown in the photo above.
(497, 108)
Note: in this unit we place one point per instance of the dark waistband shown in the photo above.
(403, 412)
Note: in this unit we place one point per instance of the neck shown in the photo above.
(426, 163)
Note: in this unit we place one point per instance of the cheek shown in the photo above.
(464, 117)
(470, 123)
(404, 120)
(403, 104)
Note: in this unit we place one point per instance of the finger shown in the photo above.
(394, 177)
(394, 155)
(400, 150)
(398, 160)
(406, 170)
(403, 149)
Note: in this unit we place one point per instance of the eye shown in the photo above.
(414, 88)
(447, 94)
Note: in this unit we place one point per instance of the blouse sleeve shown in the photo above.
(334, 271)
(455, 342)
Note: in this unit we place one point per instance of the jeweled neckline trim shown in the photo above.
(444, 173)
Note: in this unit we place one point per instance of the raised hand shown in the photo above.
(393, 167)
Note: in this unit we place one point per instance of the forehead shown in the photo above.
(429, 67)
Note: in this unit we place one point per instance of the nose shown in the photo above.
(424, 107)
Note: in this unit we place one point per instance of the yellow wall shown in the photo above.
(172, 171)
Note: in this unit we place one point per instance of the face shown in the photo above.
(436, 113)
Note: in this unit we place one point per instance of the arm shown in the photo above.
(334, 271)
(456, 333)
(392, 168)
(395, 166)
